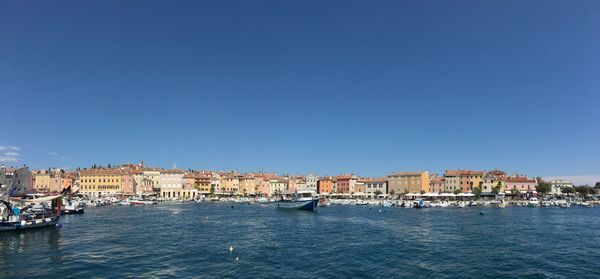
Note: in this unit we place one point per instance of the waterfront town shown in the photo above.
(175, 184)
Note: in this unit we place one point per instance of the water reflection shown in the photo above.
(19, 242)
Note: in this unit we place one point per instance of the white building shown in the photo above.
(171, 179)
(215, 182)
(558, 185)
(311, 182)
(277, 185)
(374, 185)
(171, 184)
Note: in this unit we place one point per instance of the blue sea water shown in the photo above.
(192, 240)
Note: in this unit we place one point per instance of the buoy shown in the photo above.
(232, 206)
(481, 212)
(237, 259)
(231, 248)
(276, 245)
(379, 210)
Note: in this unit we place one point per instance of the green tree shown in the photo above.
(377, 193)
(422, 192)
(583, 190)
(543, 187)
(597, 185)
(457, 191)
(496, 190)
(568, 190)
(477, 191)
(212, 190)
(515, 192)
(392, 192)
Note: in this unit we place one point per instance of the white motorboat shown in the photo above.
(533, 202)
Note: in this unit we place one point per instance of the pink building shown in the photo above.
(520, 183)
(263, 185)
(436, 184)
(345, 183)
(127, 183)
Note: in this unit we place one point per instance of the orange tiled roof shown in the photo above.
(172, 171)
(519, 179)
(100, 172)
(407, 173)
(462, 172)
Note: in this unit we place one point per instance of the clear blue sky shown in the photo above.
(327, 87)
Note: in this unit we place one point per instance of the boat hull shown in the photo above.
(71, 211)
(18, 226)
(308, 205)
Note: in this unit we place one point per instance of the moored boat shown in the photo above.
(262, 200)
(70, 207)
(301, 200)
(533, 202)
(22, 214)
(323, 202)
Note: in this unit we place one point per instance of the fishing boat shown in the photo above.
(301, 200)
(22, 214)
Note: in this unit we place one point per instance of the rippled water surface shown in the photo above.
(192, 240)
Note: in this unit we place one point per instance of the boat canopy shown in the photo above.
(306, 192)
(38, 200)
(361, 194)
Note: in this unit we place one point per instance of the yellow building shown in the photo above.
(230, 184)
(41, 181)
(408, 182)
(249, 184)
(99, 182)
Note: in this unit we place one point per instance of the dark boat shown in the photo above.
(22, 214)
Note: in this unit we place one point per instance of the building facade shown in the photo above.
(494, 178)
(325, 185)
(375, 185)
(344, 184)
(520, 183)
(16, 180)
(408, 182)
(558, 184)
(436, 184)
(100, 182)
